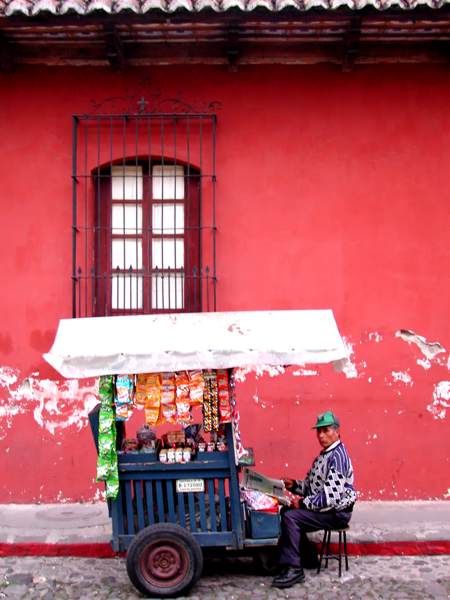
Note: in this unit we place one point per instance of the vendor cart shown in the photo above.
(165, 515)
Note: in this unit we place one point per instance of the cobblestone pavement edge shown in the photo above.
(369, 577)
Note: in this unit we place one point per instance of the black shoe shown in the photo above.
(292, 576)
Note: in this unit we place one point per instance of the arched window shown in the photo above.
(143, 213)
(148, 238)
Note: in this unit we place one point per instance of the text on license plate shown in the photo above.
(190, 485)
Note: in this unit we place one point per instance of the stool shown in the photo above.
(325, 549)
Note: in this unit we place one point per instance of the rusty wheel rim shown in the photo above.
(164, 564)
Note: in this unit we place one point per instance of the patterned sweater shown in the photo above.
(329, 483)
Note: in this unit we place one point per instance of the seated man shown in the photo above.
(327, 499)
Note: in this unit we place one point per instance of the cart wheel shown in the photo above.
(266, 561)
(164, 561)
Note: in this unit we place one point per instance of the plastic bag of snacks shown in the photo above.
(124, 397)
(224, 396)
(148, 394)
(148, 388)
(196, 387)
(107, 469)
(259, 501)
(210, 402)
(182, 397)
(168, 407)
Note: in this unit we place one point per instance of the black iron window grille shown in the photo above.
(144, 214)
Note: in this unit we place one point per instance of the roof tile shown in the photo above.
(85, 7)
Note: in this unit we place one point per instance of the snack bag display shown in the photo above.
(182, 397)
(105, 420)
(196, 387)
(107, 470)
(148, 394)
(152, 415)
(148, 389)
(123, 412)
(258, 501)
(124, 397)
(224, 396)
(168, 406)
(106, 390)
(210, 402)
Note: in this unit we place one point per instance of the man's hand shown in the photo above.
(289, 483)
(297, 502)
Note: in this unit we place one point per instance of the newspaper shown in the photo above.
(272, 487)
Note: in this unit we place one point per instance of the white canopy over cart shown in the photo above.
(185, 341)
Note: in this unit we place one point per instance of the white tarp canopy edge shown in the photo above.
(96, 346)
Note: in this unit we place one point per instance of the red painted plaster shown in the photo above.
(332, 192)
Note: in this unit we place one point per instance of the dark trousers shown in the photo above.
(294, 545)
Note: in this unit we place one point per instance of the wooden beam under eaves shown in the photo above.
(351, 44)
(7, 55)
(232, 49)
(114, 47)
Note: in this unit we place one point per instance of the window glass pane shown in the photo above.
(126, 292)
(167, 291)
(126, 183)
(168, 182)
(167, 218)
(168, 254)
(126, 254)
(126, 219)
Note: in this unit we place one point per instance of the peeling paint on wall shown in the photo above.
(402, 376)
(374, 336)
(240, 374)
(428, 349)
(55, 405)
(347, 365)
(424, 363)
(441, 400)
(302, 372)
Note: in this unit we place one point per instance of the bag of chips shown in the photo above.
(148, 389)
(196, 387)
(123, 412)
(112, 486)
(107, 469)
(151, 415)
(105, 420)
(124, 397)
(168, 406)
(224, 396)
(182, 398)
(106, 390)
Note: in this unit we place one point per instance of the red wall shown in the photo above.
(332, 193)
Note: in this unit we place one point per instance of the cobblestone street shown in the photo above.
(395, 578)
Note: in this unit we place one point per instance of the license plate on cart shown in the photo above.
(190, 485)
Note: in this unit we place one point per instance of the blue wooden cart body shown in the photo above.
(148, 495)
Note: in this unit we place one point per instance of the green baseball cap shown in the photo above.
(326, 419)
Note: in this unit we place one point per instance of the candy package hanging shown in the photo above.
(148, 394)
(168, 406)
(224, 396)
(196, 387)
(210, 402)
(124, 397)
(106, 390)
(182, 398)
(107, 469)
